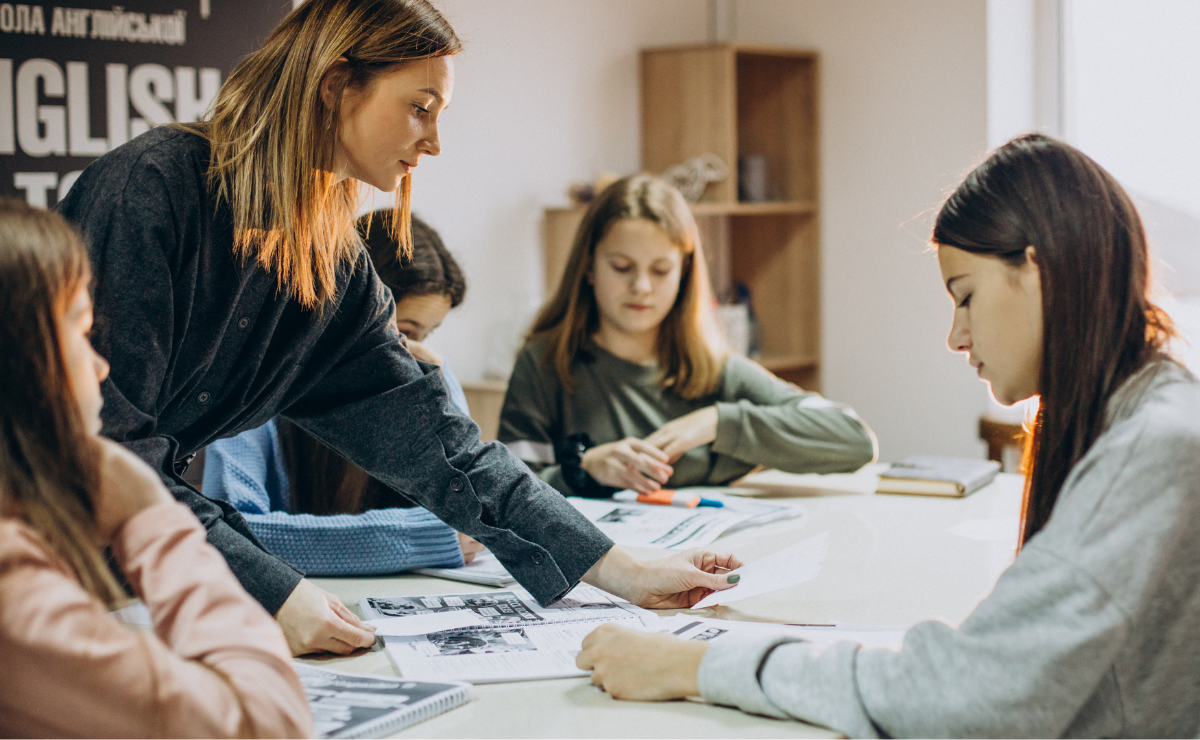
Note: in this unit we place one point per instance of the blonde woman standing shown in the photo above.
(623, 383)
(231, 287)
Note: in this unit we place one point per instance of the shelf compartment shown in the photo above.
(764, 208)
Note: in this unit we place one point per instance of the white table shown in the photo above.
(892, 561)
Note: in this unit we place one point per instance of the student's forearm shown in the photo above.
(374, 543)
(794, 438)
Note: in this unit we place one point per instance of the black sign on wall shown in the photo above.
(78, 81)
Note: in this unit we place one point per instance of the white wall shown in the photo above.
(1132, 102)
(546, 93)
(904, 117)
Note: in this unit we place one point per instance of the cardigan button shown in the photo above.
(243, 322)
(538, 558)
(204, 397)
(456, 484)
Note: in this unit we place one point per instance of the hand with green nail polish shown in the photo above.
(679, 581)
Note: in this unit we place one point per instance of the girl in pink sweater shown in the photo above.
(216, 664)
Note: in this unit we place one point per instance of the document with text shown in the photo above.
(517, 639)
(677, 528)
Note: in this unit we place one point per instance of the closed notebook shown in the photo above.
(926, 475)
(355, 705)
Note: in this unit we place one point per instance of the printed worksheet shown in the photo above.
(702, 629)
(490, 655)
(584, 603)
(677, 528)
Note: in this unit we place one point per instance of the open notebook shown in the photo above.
(355, 705)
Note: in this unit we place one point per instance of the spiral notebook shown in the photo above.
(356, 705)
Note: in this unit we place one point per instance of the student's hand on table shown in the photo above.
(691, 430)
(470, 547)
(425, 354)
(628, 463)
(127, 485)
(641, 666)
(314, 620)
(674, 582)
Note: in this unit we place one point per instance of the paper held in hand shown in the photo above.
(674, 528)
(788, 567)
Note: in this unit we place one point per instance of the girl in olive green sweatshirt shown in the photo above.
(623, 382)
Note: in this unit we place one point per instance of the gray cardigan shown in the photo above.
(203, 346)
(1093, 631)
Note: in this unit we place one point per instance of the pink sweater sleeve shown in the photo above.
(217, 665)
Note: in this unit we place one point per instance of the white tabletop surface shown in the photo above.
(892, 560)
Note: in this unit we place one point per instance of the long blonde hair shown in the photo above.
(49, 466)
(690, 353)
(273, 137)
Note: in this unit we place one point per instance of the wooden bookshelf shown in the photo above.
(733, 100)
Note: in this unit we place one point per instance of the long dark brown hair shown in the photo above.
(48, 462)
(320, 481)
(1099, 324)
(691, 355)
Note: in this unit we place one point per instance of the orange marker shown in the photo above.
(662, 497)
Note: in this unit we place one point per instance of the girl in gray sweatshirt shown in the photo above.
(1093, 630)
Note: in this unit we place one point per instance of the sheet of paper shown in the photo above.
(702, 629)
(675, 528)
(419, 624)
(792, 565)
(491, 655)
(499, 608)
(516, 638)
(485, 570)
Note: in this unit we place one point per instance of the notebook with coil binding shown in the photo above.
(352, 705)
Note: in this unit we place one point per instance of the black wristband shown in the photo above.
(570, 458)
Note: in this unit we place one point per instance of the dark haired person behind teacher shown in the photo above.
(231, 287)
(1092, 630)
(312, 507)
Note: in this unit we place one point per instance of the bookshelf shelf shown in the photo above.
(765, 208)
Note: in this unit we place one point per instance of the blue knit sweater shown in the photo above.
(248, 472)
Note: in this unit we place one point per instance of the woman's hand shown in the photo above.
(127, 486)
(425, 354)
(680, 435)
(639, 666)
(674, 582)
(314, 620)
(630, 463)
(470, 547)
